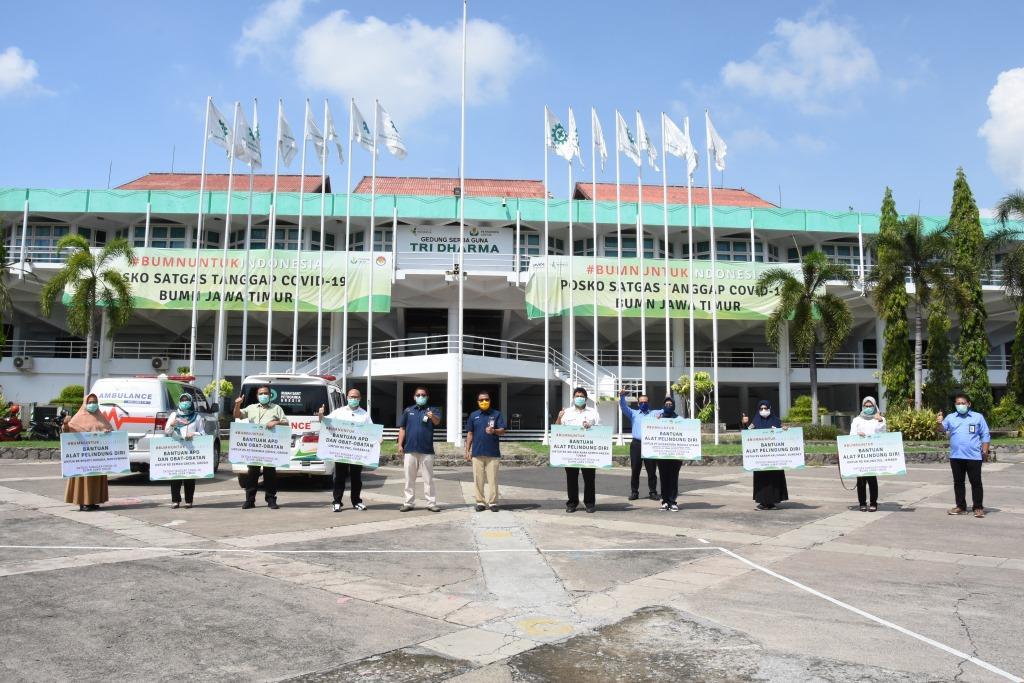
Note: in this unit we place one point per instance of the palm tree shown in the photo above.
(6, 304)
(815, 318)
(922, 256)
(1012, 207)
(91, 283)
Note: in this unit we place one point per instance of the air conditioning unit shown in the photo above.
(23, 362)
(160, 363)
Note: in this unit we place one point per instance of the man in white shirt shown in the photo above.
(349, 413)
(581, 415)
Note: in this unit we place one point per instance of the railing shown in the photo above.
(278, 352)
(856, 361)
(440, 344)
(993, 361)
(145, 350)
(737, 359)
(629, 356)
(505, 263)
(48, 348)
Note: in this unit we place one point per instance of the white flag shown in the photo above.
(217, 128)
(645, 142)
(286, 145)
(556, 137)
(313, 132)
(678, 144)
(716, 145)
(359, 131)
(602, 150)
(574, 138)
(388, 133)
(331, 133)
(624, 141)
(246, 140)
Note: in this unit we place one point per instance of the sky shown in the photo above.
(822, 105)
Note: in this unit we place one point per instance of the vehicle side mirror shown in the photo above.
(215, 407)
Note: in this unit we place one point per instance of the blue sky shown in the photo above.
(830, 101)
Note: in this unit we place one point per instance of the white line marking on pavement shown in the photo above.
(353, 551)
(702, 540)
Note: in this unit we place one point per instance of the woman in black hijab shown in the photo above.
(668, 470)
(769, 486)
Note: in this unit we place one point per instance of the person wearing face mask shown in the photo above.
(267, 414)
(870, 421)
(416, 446)
(969, 439)
(184, 423)
(581, 415)
(87, 492)
(770, 486)
(668, 469)
(636, 462)
(351, 412)
(484, 427)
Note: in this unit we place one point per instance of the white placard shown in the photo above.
(872, 456)
(87, 454)
(670, 439)
(444, 239)
(773, 449)
(572, 446)
(252, 444)
(172, 457)
(355, 443)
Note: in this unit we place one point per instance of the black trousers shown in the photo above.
(342, 471)
(269, 483)
(864, 483)
(190, 489)
(970, 469)
(572, 485)
(668, 470)
(635, 463)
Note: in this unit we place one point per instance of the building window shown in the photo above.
(41, 242)
(556, 246)
(583, 247)
(314, 241)
(794, 256)
(529, 245)
(355, 241)
(164, 237)
(841, 253)
(732, 250)
(257, 239)
(382, 240)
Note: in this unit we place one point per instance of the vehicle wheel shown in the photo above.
(242, 480)
(216, 456)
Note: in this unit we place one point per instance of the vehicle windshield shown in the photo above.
(294, 399)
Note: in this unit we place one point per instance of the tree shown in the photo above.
(890, 295)
(703, 392)
(815, 317)
(92, 285)
(940, 385)
(967, 261)
(912, 251)
(6, 305)
(1012, 207)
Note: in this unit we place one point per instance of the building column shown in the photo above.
(336, 335)
(785, 374)
(745, 398)
(503, 401)
(400, 398)
(106, 346)
(879, 348)
(453, 409)
(569, 382)
(680, 360)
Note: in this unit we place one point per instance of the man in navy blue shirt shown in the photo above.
(416, 444)
(636, 418)
(483, 429)
(968, 447)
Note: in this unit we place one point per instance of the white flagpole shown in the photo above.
(618, 268)
(462, 235)
(369, 247)
(272, 237)
(664, 246)
(689, 274)
(149, 214)
(593, 199)
(221, 340)
(348, 219)
(547, 290)
(572, 306)
(199, 242)
(323, 239)
(298, 247)
(640, 254)
(753, 250)
(714, 276)
(245, 298)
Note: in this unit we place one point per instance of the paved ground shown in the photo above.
(718, 591)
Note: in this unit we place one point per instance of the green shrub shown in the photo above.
(800, 412)
(71, 397)
(226, 388)
(820, 432)
(183, 370)
(707, 413)
(1007, 413)
(916, 425)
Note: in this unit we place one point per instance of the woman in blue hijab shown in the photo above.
(770, 486)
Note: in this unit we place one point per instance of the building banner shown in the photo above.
(163, 279)
(572, 446)
(176, 458)
(87, 454)
(671, 439)
(738, 296)
(444, 239)
(872, 456)
(773, 449)
(355, 443)
(252, 444)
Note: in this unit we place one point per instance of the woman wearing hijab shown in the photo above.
(870, 421)
(769, 486)
(668, 470)
(87, 492)
(184, 423)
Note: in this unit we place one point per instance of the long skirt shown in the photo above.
(87, 490)
(770, 487)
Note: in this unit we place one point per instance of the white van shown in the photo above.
(141, 404)
(300, 396)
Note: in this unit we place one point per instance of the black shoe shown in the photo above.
(248, 505)
(480, 507)
(634, 495)
(81, 508)
(92, 508)
(653, 495)
(591, 508)
(272, 504)
(494, 508)
(571, 507)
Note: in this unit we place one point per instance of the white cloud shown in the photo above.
(809, 143)
(1004, 129)
(751, 139)
(17, 74)
(809, 62)
(413, 68)
(265, 32)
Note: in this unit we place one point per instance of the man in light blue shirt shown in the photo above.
(969, 439)
(636, 418)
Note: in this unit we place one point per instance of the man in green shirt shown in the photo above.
(269, 415)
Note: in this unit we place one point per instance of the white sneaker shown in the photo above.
(359, 506)
(664, 507)
(673, 508)
(337, 507)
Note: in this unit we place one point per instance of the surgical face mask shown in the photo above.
(869, 410)
(185, 406)
(92, 407)
(962, 408)
(353, 403)
(421, 400)
(644, 406)
(669, 409)
(765, 412)
(484, 405)
(579, 402)
(264, 399)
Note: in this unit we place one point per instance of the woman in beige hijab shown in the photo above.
(87, 492)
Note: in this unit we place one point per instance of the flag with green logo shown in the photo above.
(624, 140)
(557, 137)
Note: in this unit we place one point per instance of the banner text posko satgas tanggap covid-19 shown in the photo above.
(623, 288)
(164, 279)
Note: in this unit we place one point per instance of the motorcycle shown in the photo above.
(10, 425)
(46, 428)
